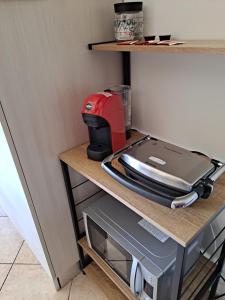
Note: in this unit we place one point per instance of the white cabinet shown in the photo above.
(46, 71)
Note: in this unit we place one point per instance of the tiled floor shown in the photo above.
(22, 277)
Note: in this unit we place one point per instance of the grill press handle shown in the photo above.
(193, 196)
(134, 185)
(219, 172)
(143, 190)
(185, 201)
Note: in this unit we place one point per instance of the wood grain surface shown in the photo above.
(182, 225)
(106, 286)
(107, 270)
(204, 46)
(195, 280)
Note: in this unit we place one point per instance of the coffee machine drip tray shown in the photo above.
(98, 152)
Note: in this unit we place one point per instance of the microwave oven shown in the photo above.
(139, 253)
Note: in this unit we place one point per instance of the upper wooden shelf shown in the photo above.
(210, 46)
(182, 225)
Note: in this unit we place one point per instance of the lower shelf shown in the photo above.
(99, 276)
(107, 270)
(105, 285)
(196, 278)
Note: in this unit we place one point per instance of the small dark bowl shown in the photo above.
(165, 37)
(150, 38)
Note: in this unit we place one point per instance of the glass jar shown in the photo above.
(129, 21)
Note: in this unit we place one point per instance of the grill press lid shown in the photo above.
(168, 164)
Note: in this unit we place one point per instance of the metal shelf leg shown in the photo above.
(126, 65)
(218, 271)
(73, 212)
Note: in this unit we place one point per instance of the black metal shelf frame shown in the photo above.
(126, 63)
(213, 274)
(178, 279)
(78, 235)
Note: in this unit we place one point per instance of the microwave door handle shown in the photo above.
(138, 283)
(134, 185)
(133, 275)
(136, 277)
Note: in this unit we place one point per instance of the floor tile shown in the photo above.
(10, 241)
(30, 282)
(4, 269)
(94, 273)
(2, 213)
(26, 256)
(85, 288)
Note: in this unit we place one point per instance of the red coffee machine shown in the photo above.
(104, 115)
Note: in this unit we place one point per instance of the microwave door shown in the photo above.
(119, 260)
(108, 249)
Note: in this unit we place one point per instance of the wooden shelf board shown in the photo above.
(197, 46)
(107, 270)
(182, 225)
(198, 282)
(103, 283)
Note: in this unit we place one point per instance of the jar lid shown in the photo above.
(128, 6)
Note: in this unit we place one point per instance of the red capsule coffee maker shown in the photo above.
(104, 115)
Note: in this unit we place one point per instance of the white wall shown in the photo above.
(45, 73)
(201, 19)
(180, 98)
(14, 202)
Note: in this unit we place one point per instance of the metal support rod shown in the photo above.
(218, 270)
(90, 46)
(213, 290)
(220, 296)
(126, 65)
(213, 280)
(73, 212)
(125, 62)
(179, 273)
